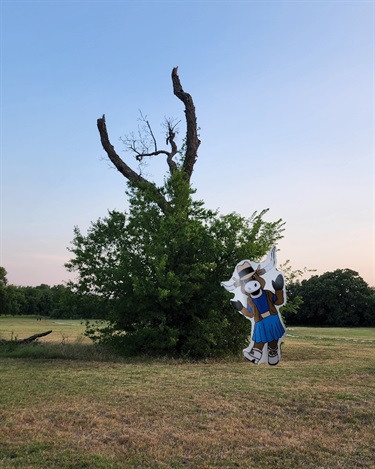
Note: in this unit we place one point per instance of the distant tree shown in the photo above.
(31, 305)
(45, 299)
(293, 294)
(16, 300)
(73, 305)
(30, 300)
(58, 301)
(339, 298)
(3, 277)
(64, 304)
(3, 291)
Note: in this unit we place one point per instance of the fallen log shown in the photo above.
(32, 338)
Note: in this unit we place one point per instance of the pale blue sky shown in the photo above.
(284, 92)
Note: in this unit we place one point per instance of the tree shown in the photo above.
(3, 291)
(16, 300)
(293, 305)
(159, 265)
(339, 298)
(72, 305)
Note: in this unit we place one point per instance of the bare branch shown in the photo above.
(144, 119)
(124, 169)
(140, 156)
(140, 145)
(170, 139)
(192, 140)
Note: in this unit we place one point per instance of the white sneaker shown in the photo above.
(273, 356)
(253, 356)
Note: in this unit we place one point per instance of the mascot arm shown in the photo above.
(280, 299)
(237, 305)
(278, 285)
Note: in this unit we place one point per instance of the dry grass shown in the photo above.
(316, 409)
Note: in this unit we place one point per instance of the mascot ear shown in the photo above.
(271, 260)
(231, 284)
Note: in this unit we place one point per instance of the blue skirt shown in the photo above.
(268, 329)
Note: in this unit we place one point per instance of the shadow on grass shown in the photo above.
(46, 455)
(45, 350)
(93, 352)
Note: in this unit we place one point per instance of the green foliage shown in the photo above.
(160, 272)
(58, 301)
(3, 277)
(3, 291)
(73, 305)
(294, 299)
(340, 298)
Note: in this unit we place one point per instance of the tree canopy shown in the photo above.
(58, 301)
(160, 273)
(339, 298)
(3, 289)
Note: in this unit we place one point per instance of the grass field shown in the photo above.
(316, 409)
(63, 330)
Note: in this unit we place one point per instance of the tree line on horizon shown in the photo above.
(334, 299)
(57, 301)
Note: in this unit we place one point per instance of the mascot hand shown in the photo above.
(237, 305)
(278, 283)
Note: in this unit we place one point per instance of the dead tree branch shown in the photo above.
(32, 338)
(192, 140)
(142, 146)
(150, 132)
(124, 169)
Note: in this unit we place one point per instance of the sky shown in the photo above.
(284, 95)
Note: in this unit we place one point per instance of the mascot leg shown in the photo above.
(273, 353)
(254, 355)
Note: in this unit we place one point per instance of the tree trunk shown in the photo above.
(32, 338)
(192, 140)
